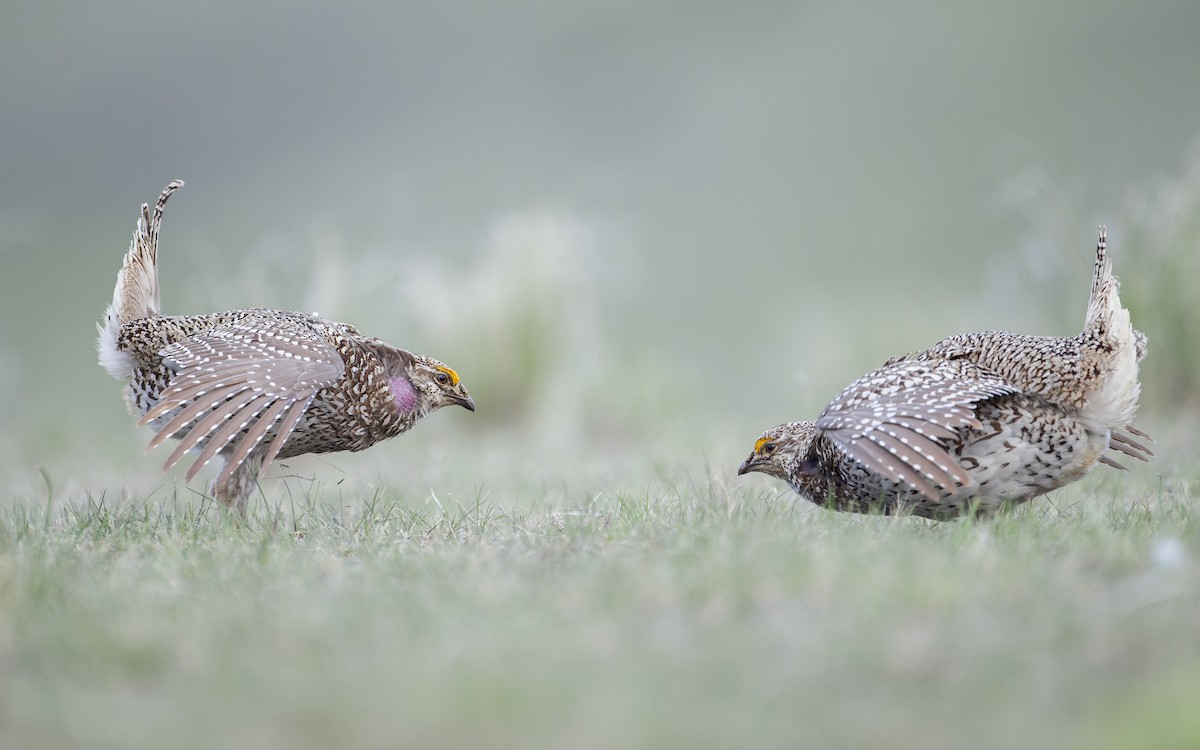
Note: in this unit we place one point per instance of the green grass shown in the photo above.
(682, 614)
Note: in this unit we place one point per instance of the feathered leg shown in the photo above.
(234, 492)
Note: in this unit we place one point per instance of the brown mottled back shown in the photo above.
(253, 385)
(979, 420)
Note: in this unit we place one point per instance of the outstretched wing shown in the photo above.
(235, 382)
(897, 420)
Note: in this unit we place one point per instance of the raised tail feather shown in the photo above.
(1113, 405)
(1104, 285)
(1105, 313)
(136, 293)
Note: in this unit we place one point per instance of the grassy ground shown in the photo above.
(588, 599)
(682, 614)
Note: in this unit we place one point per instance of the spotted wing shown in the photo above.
(898, 420)
(236, 382)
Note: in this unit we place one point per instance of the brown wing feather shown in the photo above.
(216, 416)
(195, 383)
(294, 413)
(193, 410)
(236, 382)
(927, 458)
(875, 454)
(901, 420)
(242, 448)
(235, 423)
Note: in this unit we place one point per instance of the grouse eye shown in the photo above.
(443, 378)
(768, 448)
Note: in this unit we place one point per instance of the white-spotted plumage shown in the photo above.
(891, 420)
(979, 421)
(256, 384)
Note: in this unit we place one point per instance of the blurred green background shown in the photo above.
(642, 232)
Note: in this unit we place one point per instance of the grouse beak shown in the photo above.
(748, 465)
(467, 403)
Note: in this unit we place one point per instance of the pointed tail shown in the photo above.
(136, 293)
(1105, 314)
(1104, 298)
(1115, 344)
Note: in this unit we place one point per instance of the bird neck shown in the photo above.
(404, 394)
